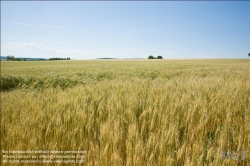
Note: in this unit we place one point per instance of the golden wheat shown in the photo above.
(129, 112)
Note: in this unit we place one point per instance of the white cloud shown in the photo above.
(43, 51)
(31, 50)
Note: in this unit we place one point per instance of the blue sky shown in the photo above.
(125, 29)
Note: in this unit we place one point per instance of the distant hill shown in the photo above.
(134, 58)
(106, 58)
(22, 58)
(33, 59)
(3, 57)
(120, 58)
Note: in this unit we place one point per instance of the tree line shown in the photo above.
(12, 58)
(152, 57)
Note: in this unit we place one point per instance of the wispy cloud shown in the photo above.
(20, 23)
(25, 24)
(32, 50)
(84, 29)
(24, 44)
(28, 24)
(53, 26)
(29, 45)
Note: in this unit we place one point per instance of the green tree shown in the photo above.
(159, 57)
(151, 57)
(248, 54)
(10, 58)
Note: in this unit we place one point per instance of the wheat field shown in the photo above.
(129, 112)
